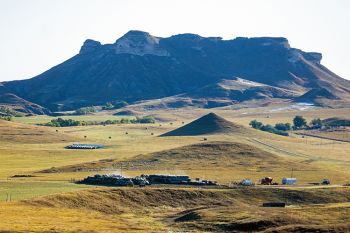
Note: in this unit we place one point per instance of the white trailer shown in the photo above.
(289, 181)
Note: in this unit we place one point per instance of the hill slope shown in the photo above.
(139, 66)
(208, 124)
(209, 155)
(24, 133)
(20, 105)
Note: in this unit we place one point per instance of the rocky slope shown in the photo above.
(18, 104)
(139, 66)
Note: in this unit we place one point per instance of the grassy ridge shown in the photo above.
(188, 210)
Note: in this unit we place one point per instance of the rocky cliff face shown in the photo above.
(139, 66)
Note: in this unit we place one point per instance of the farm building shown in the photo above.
(85, 146)
(118, 180)
(168, 179)
(114, 180)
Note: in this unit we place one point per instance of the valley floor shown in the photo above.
(52, 202)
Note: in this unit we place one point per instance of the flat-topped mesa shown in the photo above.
(89, 46)
(139, 43)
(183, 70)
(264, 41)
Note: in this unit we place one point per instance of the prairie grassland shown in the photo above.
(12, 190)
(180, 210)
(21, 154)
(26, 149)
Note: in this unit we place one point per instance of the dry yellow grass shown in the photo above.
(179, 209)
(31, 148)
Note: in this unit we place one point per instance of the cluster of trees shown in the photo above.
(299, 122)
(4, 111)
(137, 120)
(114, 105)
(6, 118)
(60, 122)
(108, 106)
(85, 110)
(279, 128)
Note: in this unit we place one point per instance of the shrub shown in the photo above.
(108, 106)
(271, 129)
(256, 124)
(316, 123)
(59, 122)
(146, 120)
(6, 118)
(120, 104)
(283, 126)
(85, 110)
(6, 112)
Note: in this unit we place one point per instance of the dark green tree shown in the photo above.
(283, 126)
(316, 123)
(299, 122)
(256, 124)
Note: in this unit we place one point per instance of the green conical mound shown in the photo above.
(208, 124)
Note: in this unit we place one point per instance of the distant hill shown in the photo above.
(208, 124)
(18, 104)
(216, 154)
(24, 133)
(317, 93)
(139, 66)
(231, 155)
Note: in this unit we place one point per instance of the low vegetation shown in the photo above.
(115, 105)
(218, 155)
(7, 113)
(6, 118)
(189, 210)
(300, 123)
(85, 110)
(60, 122)
(279, 128)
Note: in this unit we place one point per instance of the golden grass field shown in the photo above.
(50, 202)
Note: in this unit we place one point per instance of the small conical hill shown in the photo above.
(208, 124)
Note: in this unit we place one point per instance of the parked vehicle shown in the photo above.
(326, 182)
(246, 182)
(289, 181)
(266, 181)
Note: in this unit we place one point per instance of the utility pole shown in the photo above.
(291, 176)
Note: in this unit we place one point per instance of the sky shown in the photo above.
(36, 35)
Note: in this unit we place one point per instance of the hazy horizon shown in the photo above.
(38, 34)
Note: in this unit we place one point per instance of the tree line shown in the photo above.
(7, 113)
(299, 122)
(60, 122)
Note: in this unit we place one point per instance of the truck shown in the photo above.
(266, 181)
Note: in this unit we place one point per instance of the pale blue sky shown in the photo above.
(38, 34)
